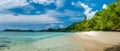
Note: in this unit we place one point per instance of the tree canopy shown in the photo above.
(106, 20)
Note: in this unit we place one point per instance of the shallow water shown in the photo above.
(37, 41)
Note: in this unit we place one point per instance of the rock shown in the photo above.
(4, 46)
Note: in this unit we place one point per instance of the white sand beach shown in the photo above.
(97, 41)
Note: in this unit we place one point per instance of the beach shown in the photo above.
(97, 41)
(56, 41)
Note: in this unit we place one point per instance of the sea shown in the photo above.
(37, 41)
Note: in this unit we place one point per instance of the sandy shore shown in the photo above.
(97, 41)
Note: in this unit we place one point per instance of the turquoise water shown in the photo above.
(38, 41)
(14, 38)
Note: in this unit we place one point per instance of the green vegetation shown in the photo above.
(106, 20)
(53, 30)
(17, 30)
(113, 48)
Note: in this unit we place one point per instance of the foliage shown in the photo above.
(54, 30)
(105, 20)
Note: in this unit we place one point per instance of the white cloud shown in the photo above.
(41, 19)
(88, 11)
(63, 14)
(59, 3)
(45, 2)
(6, 4)
(73, 3)
(50, 26)
(61, 26)
(104, 6)
(72, 15)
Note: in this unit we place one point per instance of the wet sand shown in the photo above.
(97, 41)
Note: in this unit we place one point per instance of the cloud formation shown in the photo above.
(87, 10)
(61, 26)
(7, 4)
(59, 3)
(104, 6)
(41, 19)
(70, 13)
(45, 2)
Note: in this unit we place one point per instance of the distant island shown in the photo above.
(54, 30)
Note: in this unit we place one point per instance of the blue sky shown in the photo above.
(43, 14)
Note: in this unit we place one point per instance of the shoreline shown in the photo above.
(97, 41)
(65, 42)
(78, 41)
